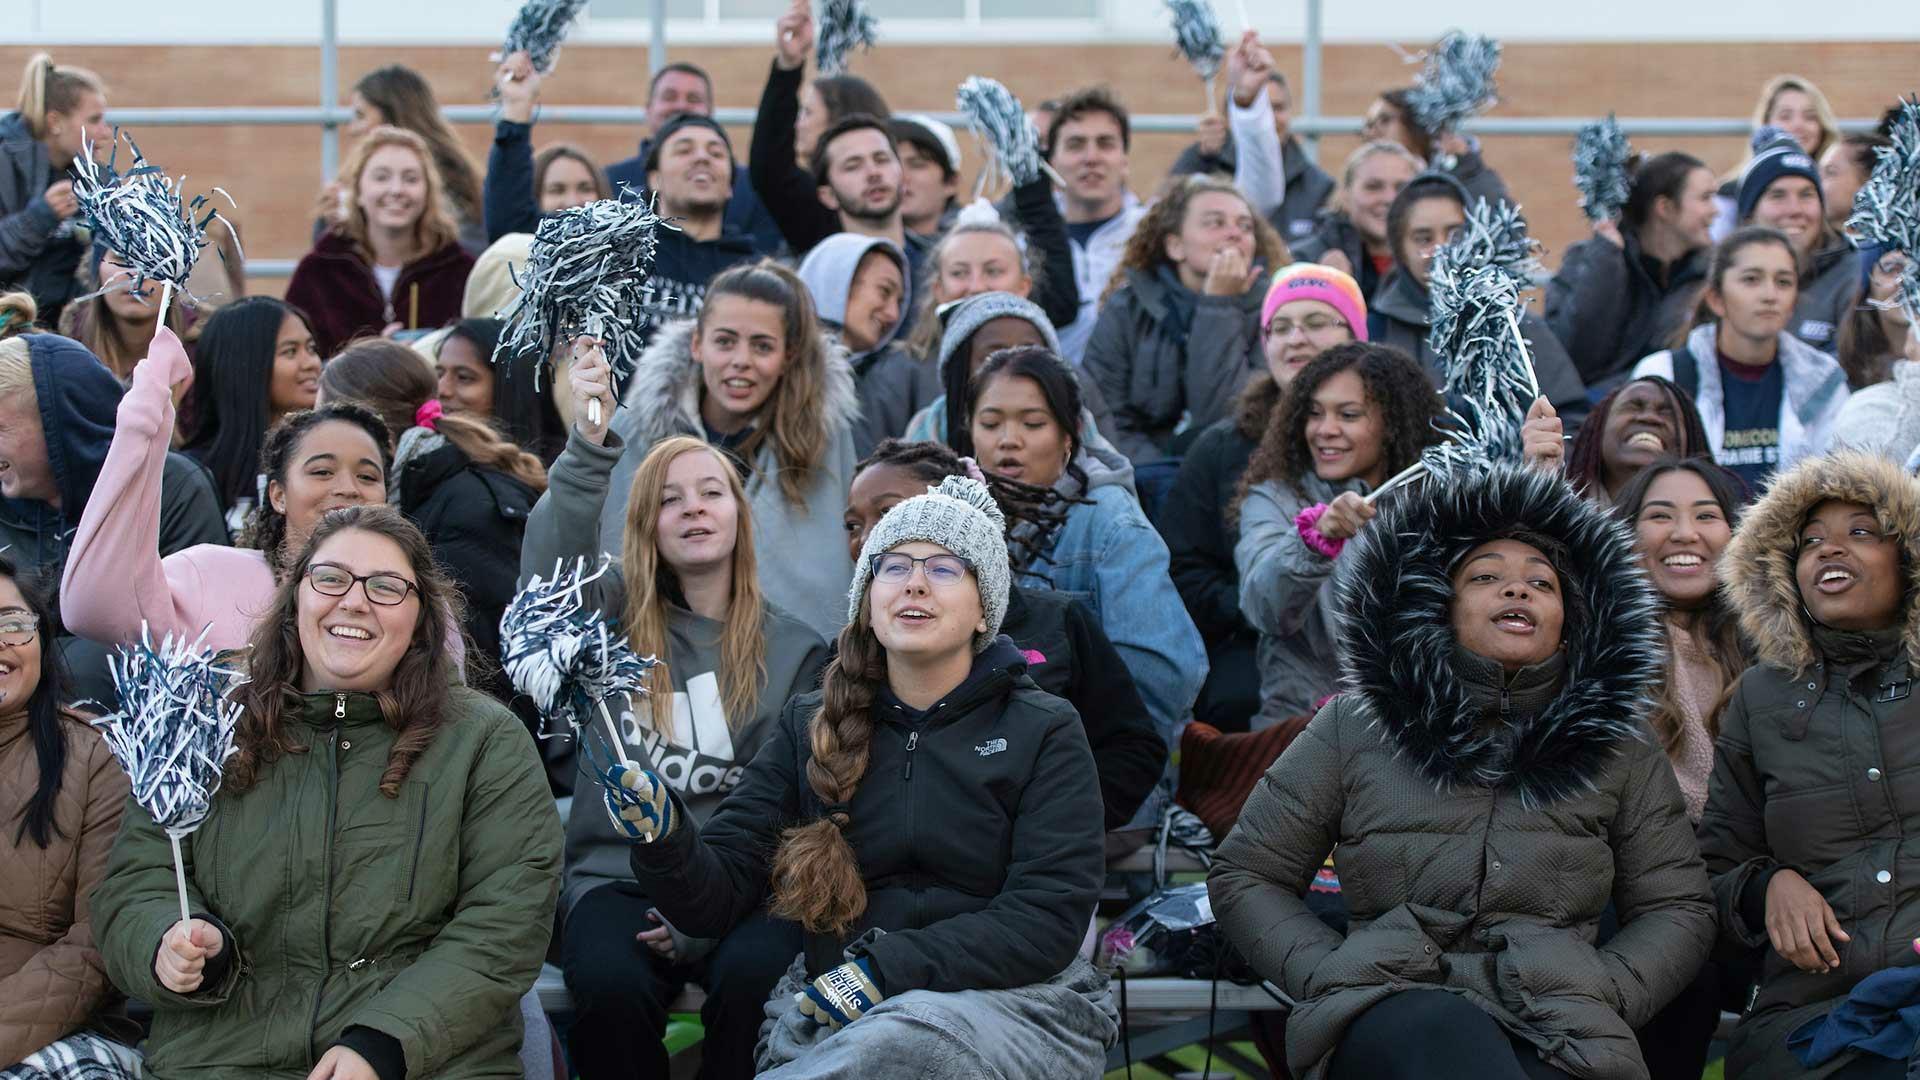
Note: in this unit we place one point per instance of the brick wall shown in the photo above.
(273, 171)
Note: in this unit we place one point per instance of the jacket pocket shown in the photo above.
(1541, 963)
(1406, 945)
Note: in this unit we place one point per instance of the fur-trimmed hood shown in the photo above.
(662, 396)
(1397, 640)
(1757, 569)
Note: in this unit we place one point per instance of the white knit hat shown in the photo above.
(961, 516)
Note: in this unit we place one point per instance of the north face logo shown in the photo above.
(992, 747)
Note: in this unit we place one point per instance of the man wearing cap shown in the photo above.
(1780, 188)
(689, 171)
(929, 173)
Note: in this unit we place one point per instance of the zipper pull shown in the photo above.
(1503, 703)
(913, 740)
(340, 706)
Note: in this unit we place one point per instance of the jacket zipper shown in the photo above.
(913, 740)
(326, 877)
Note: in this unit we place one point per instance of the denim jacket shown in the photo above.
(1110, 558)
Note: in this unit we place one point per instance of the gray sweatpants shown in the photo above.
(1056, 1030)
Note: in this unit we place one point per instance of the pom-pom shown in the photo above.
(842, 24)
(1455, 82)
(139, 215)
(174, 731)
(1600, 156)
(974, 494)
(1766, 135)
(1196, 33)
(1002, 123)
(587, 273)
(564, 656)
(1886, 209)
(538, 29)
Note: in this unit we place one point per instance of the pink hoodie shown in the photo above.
(115, 578)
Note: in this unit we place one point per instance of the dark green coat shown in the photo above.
(1817, 767)
(424, 917)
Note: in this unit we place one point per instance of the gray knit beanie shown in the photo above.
(961, 516)
(978, 310)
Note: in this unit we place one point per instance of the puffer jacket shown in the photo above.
(662, 398)
(976, 828)
(1160, 376)
(423, 918)
(1479, 823)
(1400, 314)
(1818, 763)
(1286, 595)
(52, 982)
(1605, 306)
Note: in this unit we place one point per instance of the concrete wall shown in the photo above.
(274, 172)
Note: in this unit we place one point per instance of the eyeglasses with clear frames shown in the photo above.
(895, 567)
(18, 630)
(1312, 326)
(387, 590)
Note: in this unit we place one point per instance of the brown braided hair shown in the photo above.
(414, 702)
(816, 879)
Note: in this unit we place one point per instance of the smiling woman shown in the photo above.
(432, 799)
(1634, 424)
(394, 262)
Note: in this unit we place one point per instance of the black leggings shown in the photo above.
(621, 988)
(1433, 1035)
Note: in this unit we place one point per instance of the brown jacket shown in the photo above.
(1817, 768)
(1479, 822)
(52, 982)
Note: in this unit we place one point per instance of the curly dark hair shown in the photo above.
(266, 529)
(1042, 509)
(1409, 407)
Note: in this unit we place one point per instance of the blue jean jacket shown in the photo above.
(1110, 558)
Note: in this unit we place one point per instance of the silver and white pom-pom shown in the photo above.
(1474, 285)
(565, 657)
(841, 25)
(1002, 125)
(1455, 81)
(1886, 209)
(587, 273)
(174, 731)
(1600, 159)
(538, 29)
(1196, 33)
(140, 216)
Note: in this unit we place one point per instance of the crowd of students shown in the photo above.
(956, 530)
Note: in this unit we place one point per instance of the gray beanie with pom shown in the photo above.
(961, 516)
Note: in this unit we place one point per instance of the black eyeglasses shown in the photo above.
(387, 590)
(18, 630)
(894, 567)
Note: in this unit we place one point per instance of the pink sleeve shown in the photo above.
(114, 577)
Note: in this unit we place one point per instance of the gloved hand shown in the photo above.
(842, 995)
(638, 804)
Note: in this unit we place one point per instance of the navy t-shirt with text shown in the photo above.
(1750, 444)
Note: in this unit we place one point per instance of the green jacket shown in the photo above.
(423, 917)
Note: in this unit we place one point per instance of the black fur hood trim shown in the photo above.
(1397, 639)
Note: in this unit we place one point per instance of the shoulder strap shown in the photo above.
(1686, 370)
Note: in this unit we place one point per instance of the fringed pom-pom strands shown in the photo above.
(139, 216)
(1196, 33)
(1002, 123)
(539, 28)
(1455, 82)
(842, 25)
(1886, 210)
(587, 273)
(563, 656)
(1600, 156)
(174, 731)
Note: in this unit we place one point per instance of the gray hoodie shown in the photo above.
(703, 757)
(892, 383)
(803, 548)
(1286, 592)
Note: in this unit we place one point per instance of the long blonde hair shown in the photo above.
(433, 231)
(1780, 84)
(49, 87)
(743, 650)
